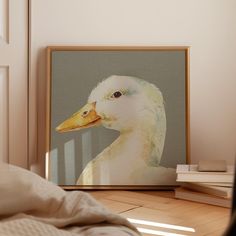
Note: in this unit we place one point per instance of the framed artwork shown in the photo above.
(117, 117)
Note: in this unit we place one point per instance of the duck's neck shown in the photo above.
(133, 146)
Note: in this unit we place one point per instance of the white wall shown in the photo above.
(208, 26)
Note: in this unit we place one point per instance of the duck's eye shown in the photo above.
(117, 94)
(85, 113)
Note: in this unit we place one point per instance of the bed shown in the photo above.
(30, 205)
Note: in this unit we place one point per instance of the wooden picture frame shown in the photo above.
(142, 87)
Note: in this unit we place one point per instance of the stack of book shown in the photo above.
(206, 187)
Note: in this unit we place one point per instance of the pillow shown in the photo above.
(25, 195)
(22, 191)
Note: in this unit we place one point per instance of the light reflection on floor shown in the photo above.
(146, 223)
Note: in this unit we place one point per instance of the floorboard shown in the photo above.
(161, 214)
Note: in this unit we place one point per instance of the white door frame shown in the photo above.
(14, 81)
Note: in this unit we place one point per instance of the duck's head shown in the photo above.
(121, 103)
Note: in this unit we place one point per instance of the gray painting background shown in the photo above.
(76, 73)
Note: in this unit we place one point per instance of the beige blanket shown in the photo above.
(32, 206)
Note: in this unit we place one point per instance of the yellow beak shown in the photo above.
(84, 118)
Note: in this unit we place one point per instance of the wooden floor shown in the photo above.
(160, 213)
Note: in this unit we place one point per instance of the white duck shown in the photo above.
(135, 108)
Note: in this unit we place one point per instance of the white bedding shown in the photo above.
(32, 206)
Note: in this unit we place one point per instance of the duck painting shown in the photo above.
(135, 108)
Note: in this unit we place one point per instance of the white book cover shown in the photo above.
(185, 194)
(219, 184)
(225, 192)
(189, 173)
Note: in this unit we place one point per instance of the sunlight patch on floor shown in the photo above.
(157, 232)
(160, 225)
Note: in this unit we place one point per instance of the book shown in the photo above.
(185, 194)
(190, 173)
(225, 192)
(212, 165)
(219, 184)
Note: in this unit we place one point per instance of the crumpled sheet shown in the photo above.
(32, 206)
